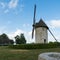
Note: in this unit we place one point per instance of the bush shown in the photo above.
(35, 46)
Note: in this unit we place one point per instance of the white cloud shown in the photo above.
(18, 32)
(57, 36)
(54, 23)
(13, 4)
(54, 26)
(26, 25)
(28, 34)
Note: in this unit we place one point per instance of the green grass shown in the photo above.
(18, 54)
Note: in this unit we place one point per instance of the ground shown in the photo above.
(18, 54)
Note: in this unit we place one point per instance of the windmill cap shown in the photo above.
(41, 23)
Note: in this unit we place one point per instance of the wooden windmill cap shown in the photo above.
(41, 23)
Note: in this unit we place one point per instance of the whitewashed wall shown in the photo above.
(41, 33)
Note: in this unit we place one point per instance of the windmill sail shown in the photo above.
(32, 32)
(34, 21)
(34, 14)
(53, 35)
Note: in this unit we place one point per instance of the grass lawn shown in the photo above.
(18, 54)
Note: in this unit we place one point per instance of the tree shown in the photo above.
(4, 39)
(17, 38)
(20, 39)
(11, 41)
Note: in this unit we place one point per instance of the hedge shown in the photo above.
(35, 46)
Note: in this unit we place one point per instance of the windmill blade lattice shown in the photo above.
(34, 21)
(53, 35)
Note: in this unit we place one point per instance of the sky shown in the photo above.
(16, 17)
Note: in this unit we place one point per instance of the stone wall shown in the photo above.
(49, 56)
(41, 34)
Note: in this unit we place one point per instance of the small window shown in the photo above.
(44, 40)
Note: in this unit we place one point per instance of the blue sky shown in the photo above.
(16, 16)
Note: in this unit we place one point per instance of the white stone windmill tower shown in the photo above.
(41, 30)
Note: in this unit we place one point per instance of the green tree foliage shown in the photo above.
(4, 40)
(20, 39)
(11, 41)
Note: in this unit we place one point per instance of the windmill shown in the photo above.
(41, 34)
